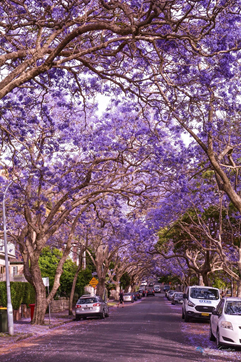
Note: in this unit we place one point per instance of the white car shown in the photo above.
(157, 288)
(225, 322)
(199, 302)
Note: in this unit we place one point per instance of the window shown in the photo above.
(204, 293)
(15, 270)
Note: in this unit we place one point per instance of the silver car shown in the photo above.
(129, 297)
(91, 306)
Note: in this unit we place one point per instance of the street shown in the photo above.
(148, 330)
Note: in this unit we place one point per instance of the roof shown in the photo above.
(232, 299)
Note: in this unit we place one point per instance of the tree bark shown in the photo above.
(40, 296)
(71, 298)
(101, 287)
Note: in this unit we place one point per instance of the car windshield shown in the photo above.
(204, 293)
(87, 301)
(233, 308)
(179, 295)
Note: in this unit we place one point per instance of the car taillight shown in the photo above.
(78, 306)
(96, 305)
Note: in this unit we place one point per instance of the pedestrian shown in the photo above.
(121, 299)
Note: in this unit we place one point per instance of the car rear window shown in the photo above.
(204, 293)
(233, 308)
(87, 301)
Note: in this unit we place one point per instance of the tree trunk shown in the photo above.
(200, 280)
(205, 279)
(239, 288)
(117, 288)
(40, 296)
(101, 287)
(71, 298)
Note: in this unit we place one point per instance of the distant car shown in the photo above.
(91, 306)
(169, 294)
(150, 291)
(157, 288)
(129, 297)
(138, 294)
(177, 298)
(151, 284)
(166, 288)
(225, 322)
(142, 290)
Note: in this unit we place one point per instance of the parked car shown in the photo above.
(129, 297)
(142, 290)
(199, 302)
(169, 294)
(177, 298)
(91, 306)
(225, 322)
(150, 291)
(166, 288)
(138, 294)
(157, 288)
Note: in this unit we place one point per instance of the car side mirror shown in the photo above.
(184, 296)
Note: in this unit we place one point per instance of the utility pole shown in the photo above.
(9, 302)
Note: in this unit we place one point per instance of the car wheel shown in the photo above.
(102, 315)
(182, 315)
(186, 318)
(218, 343)
(211, 336)
(77, 317)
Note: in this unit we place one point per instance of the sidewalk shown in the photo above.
(24, 329)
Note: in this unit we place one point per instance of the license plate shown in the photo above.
(205, 314)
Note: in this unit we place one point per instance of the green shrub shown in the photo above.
(20, 293)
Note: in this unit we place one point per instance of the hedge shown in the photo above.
(20, 293)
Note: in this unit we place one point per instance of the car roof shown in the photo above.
(232, 299)
(88, 296)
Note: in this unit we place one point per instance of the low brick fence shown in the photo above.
(59, 305)
(56, 306)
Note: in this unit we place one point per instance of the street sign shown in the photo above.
(46, 281)
(93, 282)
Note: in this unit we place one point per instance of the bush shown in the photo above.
(20, 293)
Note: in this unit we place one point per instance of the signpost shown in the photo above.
(46, 284)
(93, 282)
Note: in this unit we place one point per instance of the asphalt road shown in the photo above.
(149, 330)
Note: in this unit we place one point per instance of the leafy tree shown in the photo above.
(55, 41)
(48, 262)
(60, 172)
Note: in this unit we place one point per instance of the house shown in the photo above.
(15, 264)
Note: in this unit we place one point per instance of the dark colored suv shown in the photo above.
(166, 288)
(150, 291)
